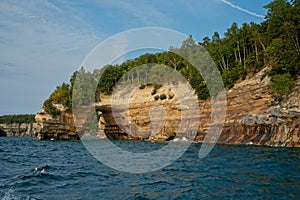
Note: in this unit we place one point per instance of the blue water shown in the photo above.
(31, 169)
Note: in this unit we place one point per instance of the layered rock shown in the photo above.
(252, 116)
(135, 113)
(60, 127)
(17, 130)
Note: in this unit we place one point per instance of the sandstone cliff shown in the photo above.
(137, 113)
(60, 127)
(17, 130)
(252, 116)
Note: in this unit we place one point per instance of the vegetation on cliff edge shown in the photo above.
(19, 119)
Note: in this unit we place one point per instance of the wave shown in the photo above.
(42, 168)
(40, 172)
(13, 195)
(183, 139)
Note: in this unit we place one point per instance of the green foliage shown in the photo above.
(156, 97)
(227, 79)
(157, 86)
(244, 50)
(163, 97)
(153, 91)
(50, 108)
(282, 35)
(73, 78)
(109, 78)
(61, 95)
(142, 87)
(171, 95)
(84, 90)
(282, 85)
(19, 119)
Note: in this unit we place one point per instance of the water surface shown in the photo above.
(31, 169)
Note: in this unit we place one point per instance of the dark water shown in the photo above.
(31, 169)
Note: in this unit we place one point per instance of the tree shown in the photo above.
(110, 77)
(282, 85)
(189, 43)
(61, 95)
(19, 119)
(84, 89)
(277, 14)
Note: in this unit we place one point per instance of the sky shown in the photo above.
(42, 42)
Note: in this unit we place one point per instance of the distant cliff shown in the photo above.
(17, 130)
(17, 125)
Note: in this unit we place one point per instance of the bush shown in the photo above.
(142, 87)
(153, 91)
(156, 97)
(281, 85)
(61, 95)
(50, 109)
(163, 97)
(157, 86)
(149, 84)
(171, 95)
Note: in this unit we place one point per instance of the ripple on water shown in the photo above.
(31, 169)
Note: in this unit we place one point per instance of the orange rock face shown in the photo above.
(61, 127)
(252, 116)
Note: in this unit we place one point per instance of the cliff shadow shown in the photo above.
(2, 133)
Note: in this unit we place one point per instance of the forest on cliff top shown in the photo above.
(242, 51)
(18, 119)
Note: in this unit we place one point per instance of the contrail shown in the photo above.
(242, 9)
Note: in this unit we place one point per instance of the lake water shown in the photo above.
(31, 169)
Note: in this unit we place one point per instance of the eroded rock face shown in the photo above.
(139, 115)
(252, 116)
(17, 130)
(61, 127)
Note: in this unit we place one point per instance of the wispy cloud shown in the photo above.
(9, 70)
(38, 34)
(41, 44)
(242, 9)
(140, 12)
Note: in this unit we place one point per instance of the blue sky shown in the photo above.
(42, 42)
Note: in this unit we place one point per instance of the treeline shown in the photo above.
(19, 119)
(275, 42)
(242, 52)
